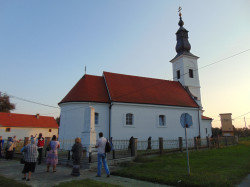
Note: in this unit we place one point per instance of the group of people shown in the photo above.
(32, 153)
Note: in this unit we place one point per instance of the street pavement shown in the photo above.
(41, 178)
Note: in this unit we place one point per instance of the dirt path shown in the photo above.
(41, 178)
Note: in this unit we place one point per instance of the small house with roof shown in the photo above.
(23, 125)
(122, 106)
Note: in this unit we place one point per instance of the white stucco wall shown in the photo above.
(184, 63)
(146, 120)
(72, 119)
(27, 132)
(206, 124)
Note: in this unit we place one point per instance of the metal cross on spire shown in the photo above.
(179, 10)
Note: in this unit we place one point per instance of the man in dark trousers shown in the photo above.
(40, 144)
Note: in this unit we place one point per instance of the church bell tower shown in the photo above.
(184, 64)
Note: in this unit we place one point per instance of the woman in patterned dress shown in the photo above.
(52, 158)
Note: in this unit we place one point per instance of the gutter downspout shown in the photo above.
(110, 107)
(199, 122)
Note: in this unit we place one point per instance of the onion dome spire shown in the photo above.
(183, 45)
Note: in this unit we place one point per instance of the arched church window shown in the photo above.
(129, 119)
(96, 118)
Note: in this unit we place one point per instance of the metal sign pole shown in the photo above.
(188, 168)
(186, 121)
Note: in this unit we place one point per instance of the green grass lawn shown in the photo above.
(87, 183)
(10, 183)
(215, 167)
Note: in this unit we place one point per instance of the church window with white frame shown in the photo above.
(162, 120)
(129, 119)
(96, 118)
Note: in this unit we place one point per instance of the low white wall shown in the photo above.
(21, 132)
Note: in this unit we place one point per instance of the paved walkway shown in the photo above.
(245, 182)
(41, 178)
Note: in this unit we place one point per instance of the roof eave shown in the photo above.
(178, 56)
(83, 101)
(156, 104)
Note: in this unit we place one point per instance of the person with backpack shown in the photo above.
(102, 145)
(40, 145)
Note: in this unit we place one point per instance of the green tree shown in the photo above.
(5, 104)
(58, 120)
(216, 132)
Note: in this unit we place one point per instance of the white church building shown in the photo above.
(122, 106)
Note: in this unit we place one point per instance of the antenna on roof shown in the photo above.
(85, 69)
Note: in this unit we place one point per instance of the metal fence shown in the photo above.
(133, 147)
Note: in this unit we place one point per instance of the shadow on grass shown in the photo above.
(10, 182)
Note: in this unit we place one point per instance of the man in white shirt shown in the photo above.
(100, 145)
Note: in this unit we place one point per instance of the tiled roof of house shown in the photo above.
(134, 89)
(24, 120)
(89, 88)
(206, 118)
(129, 89)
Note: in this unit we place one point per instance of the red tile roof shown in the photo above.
(89, 88)
(134, 89)
(129, 89)
(24, 120)
(206, 118)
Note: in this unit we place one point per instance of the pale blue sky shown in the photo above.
(44, 46)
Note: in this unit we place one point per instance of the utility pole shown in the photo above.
(245, 122)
